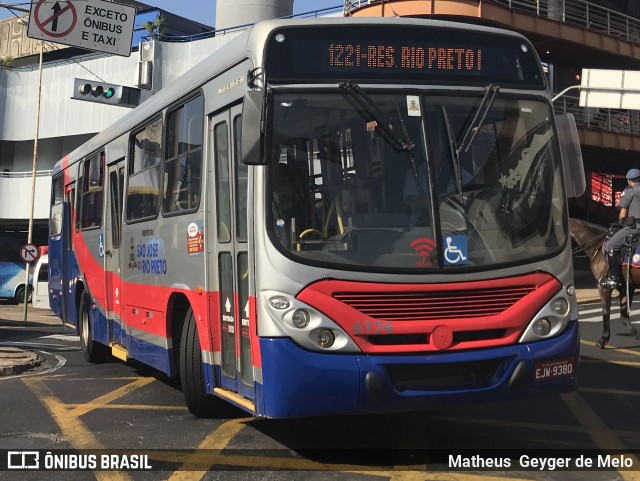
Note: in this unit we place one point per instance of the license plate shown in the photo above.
(557, 368)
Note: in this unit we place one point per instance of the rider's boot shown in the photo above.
(613, 280)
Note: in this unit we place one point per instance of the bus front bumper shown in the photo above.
(297, 383)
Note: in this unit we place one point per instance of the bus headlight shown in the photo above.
(300, 318)
(326, 338)
(541, 327)
(551, 320)
(282, 315)
(560, 306)
(279, 302)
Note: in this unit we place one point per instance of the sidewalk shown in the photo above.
(14, 360)
(13, 315)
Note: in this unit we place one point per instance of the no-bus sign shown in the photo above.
(91, 24)
(29, 253)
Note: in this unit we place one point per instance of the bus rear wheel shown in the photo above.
(92, 350)
(191, 370)
(19, 297)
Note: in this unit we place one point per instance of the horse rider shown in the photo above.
(629, 217)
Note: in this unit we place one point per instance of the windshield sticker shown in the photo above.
(456, 251)
(516, 176)
(413, 106)
(424, 247)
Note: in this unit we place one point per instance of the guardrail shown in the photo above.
(619, 121)
(580, 13)
(22, 175)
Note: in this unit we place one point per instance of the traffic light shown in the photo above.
(104, 93)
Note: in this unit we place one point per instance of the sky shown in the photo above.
(202, 11)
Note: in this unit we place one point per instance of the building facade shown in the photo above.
(65, 123)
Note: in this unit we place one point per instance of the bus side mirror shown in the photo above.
(574, 178)
(252, 128)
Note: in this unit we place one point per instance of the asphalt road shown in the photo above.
(68, 404)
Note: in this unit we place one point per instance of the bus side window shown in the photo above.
(143, 188)
(242, 178)
(57, 199)
(183, 161)
(223, 188)
(91, 191)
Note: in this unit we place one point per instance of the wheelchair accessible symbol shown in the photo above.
(456, 251)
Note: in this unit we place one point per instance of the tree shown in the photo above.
(5, 61)
(156, 28)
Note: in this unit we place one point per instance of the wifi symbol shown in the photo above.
(423, 246)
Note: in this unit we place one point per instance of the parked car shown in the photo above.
(41, 283)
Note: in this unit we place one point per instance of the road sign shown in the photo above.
(91, 24)
(610, 89)
(29, 253)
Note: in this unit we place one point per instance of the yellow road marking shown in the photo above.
(105, 399)
(73, 429)
(405, 473)
(611, 347)
(198, 464)
(620, 363)
(65, 377)
(142, 407)
(598, 431)
(618, 392)
(511, 424)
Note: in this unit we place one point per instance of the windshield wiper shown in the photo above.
(455, 151)
(489, 98)
(482, 111)
(367, 105)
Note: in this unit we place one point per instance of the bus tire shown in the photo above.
(92, 350)
(191, 371)
(19, 297)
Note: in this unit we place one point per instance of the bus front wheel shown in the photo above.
(191, 370)
(91, 350)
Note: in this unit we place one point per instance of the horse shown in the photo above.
(590, 237)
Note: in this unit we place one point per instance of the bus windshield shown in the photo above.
(394, 181)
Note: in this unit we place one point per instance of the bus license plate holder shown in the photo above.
(555, 369)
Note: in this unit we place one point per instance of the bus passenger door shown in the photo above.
(68, 225)
(231, 266)
(112, 250)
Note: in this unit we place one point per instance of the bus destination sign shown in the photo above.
(408, 54)
(387, 56)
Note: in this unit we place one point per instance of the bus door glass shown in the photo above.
(68, 225)
(112, 246)
(232, 273)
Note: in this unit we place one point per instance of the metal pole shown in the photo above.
(33, 173)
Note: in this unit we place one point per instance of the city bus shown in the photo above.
(331, 216)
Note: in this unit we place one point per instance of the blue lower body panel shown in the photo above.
(300, 383)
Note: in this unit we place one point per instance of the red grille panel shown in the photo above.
(402, 318)
(417, 306)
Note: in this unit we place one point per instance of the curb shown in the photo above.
(15, 361)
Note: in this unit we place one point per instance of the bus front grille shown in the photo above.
(434, 305)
